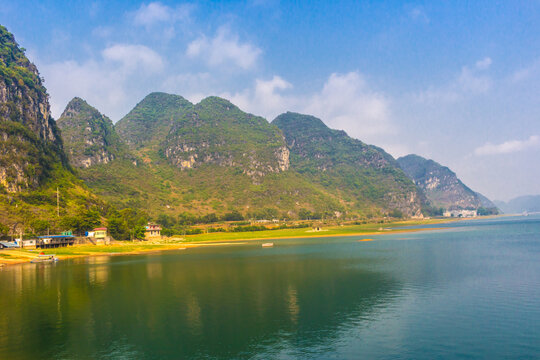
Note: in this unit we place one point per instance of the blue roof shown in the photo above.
(55, 236)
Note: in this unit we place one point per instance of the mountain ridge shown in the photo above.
(441, 185)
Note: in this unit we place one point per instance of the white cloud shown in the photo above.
(265, 98)
(134, 56)
(526, 73)
(186, 83)
(156, 12)
(344, 102)
(508, 147)
(106, 82)
(469, 82)
(100, 86)
(224, 48)
(484, 64)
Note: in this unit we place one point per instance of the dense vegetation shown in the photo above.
(15, 68)
(365, 177)
(151, 119)
(217, 132)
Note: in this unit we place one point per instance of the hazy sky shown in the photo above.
(455, 81)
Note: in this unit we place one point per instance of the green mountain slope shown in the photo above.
(217, 132)
(32, 161)
(364, 176)
(215, 159)
(151, 119)
(441, 185)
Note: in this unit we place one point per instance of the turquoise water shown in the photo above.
(471, 290)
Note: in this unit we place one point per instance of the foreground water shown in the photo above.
(471, 290)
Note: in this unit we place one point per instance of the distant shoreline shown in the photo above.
(21, 256)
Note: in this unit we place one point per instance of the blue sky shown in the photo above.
(455, 81)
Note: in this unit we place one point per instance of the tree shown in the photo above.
(165, 220)
(186, 218)
(117, 228)
(4, 230)
(233, 216)
(91, 219)
(40, 226)
(73, 223)
(304, 214)
(396, 213)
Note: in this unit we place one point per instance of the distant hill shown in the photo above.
(33, 164)
(518, 205)
(441, 186)
(364, 176)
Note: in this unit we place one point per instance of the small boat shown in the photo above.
(42, 258)
(267, 244)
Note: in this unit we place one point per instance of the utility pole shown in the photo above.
(57, 202)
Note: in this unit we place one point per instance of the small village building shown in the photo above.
(152, 230)
(53, 241)
(99, 236)
(29, 243)
(100, 233)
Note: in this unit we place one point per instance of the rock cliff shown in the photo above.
(30, 142)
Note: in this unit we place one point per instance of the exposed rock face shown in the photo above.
(332, 158)
(215, 132)
(441, 185)
(88, 135)
(30, 143)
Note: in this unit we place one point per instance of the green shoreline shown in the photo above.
(12, 257)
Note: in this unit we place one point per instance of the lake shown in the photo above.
(470, 290)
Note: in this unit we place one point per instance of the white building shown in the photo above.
(460, 213)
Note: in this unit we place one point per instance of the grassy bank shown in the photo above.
(344, 230)
(211, 239)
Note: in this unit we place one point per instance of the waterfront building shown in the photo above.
(152, 230)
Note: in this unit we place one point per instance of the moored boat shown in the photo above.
(267, 244)
(42, 258)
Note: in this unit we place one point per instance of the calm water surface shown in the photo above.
(471, 290)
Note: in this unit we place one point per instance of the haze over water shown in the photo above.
(471, 290)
